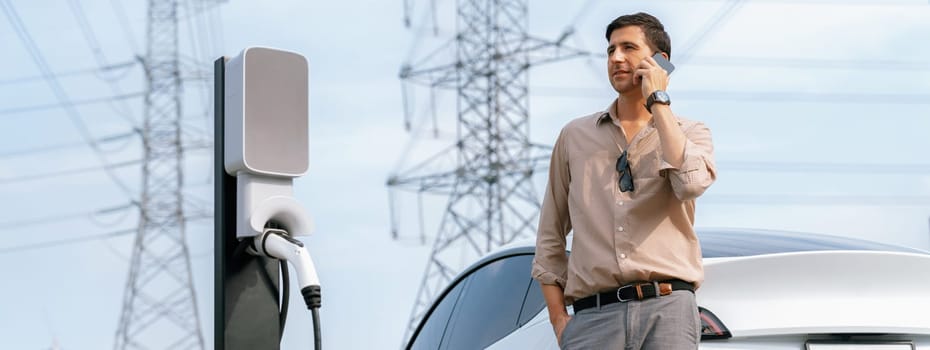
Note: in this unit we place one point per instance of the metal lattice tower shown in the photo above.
(492, 199)
(159, 304)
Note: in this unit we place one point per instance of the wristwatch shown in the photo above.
(658, 96)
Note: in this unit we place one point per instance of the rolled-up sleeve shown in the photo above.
(550, 262)
(697, 171)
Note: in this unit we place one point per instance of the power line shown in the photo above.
(216, 32)
(76, 119)
(101, 59)
(752, 96)
(61, 146)
(808, 63)
(18, 224)
(124, 22)
(194, 26)
(82, 71)
(721, 16)
(800, 63)
(69, 104)
(583, 11)
(33, 177)
(68, 241)
(88, 32)
(807, 97)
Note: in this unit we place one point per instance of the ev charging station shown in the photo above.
(261, 143)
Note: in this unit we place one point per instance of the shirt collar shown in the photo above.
(608, 114)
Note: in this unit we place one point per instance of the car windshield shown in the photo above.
(732, 243)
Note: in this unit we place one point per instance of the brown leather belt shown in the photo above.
(631, 292)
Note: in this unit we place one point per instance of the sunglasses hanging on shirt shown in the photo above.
(626, 176)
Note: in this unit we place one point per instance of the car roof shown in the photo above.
(729, 242)
(735, 242)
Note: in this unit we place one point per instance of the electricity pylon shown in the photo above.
(159, 304)
(492, 199)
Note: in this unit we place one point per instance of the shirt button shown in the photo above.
(622, 256)
(620, 228)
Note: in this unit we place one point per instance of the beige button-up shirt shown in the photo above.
(620, 237)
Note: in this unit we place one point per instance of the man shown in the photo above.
(625, 180)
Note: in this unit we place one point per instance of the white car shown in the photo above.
(762, 290)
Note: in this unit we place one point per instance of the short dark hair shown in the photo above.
(656, 36)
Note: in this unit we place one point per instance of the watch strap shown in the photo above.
(651, 100)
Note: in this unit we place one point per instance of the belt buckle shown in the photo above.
(620, 298)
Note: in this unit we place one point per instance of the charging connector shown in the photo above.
(276, 243)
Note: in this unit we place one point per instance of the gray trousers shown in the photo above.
(669, 322)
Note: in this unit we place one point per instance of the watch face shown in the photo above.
(662, 97)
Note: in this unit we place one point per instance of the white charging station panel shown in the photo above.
(267, 113)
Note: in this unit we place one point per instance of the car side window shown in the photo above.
(430, 335)
(533, 303)
(490, 305)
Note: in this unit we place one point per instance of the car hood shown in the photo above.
(819, 292)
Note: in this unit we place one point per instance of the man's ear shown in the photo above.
(664, 54)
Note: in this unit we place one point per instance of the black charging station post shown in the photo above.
(246, 305)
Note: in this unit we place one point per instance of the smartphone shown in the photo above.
(666, 65)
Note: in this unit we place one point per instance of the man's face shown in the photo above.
(626, 48)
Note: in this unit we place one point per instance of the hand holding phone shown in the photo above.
(653, 83)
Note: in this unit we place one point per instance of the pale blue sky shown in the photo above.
(782, 84)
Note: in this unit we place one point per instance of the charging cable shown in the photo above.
(276, 243)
